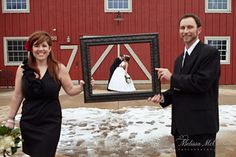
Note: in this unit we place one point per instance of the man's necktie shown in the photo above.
(186, 58)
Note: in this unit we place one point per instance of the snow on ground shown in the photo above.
(127, 132)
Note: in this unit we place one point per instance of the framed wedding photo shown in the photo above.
(98, 54)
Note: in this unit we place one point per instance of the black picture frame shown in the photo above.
(86, 42)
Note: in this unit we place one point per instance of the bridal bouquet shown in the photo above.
(9, 140)
(127, 79)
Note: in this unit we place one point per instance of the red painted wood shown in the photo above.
(2, 34)
(229, 70)
(78, 18)
(233, 45)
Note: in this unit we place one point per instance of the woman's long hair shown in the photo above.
(39, 37)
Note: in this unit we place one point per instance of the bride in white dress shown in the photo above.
(120, 80)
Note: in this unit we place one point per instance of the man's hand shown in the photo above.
(92, 81)
(163, 73)
(156, 98)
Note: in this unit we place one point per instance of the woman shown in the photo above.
(38, 82)
(120, 80)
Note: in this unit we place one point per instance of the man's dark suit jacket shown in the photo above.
(113, 67)
(193, 92)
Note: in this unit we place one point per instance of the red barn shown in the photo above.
(68, 20)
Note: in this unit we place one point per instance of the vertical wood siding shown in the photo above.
(76, 18)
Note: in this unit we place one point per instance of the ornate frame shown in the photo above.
(86, 42)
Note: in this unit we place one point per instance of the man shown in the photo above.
(113, 67)
(193, 93)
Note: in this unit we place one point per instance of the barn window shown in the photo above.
(118, 5)
(223, 45)
(15, 6)
(218, 6)
(14, 52)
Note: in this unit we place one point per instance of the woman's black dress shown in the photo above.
(41, 114)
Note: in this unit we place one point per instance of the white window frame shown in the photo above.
(5, 39)
(106, 9)
(228, 10)
(5, 10)
(227, 39)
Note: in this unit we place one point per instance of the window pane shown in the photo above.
(214, 6)
(10, 59)
(223, 57)
(223, 52)
(13, 5)
(20, 42)
(25, 54)
(8, 5)
(20, 47)
(121, 4)
(19, 6)
(16, 59)
(115, 4)
(220, 6)
(224, 42)
(126, 4)
(110, 4)
(15, 47)
(21, 58)
(225, 5)
(9, 47)
(10, 54)
(24, 6)
(9, 42)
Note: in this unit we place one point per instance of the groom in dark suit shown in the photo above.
(113, 67)
(193, 93)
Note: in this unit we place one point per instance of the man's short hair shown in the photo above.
(195, 17)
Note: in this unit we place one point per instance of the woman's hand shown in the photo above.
(92, 82)
(10, 123)
(81, 83)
